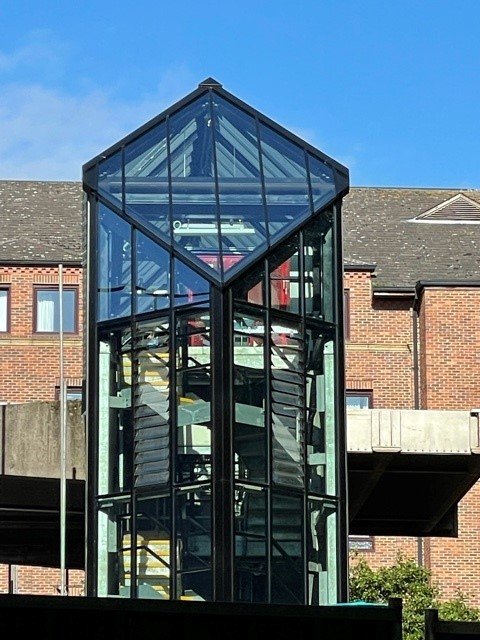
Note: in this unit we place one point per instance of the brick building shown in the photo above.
(414, 336)
(41, 228)
(412, 288)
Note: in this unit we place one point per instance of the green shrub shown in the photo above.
(406, 580)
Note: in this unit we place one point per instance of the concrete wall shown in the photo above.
(32, 440)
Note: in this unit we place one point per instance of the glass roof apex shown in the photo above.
(216, 180)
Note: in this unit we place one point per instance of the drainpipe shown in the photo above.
(416, 399)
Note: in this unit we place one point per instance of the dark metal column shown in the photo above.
(222, 447)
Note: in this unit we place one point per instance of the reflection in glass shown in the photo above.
(287, 549)
(153, 520)
(114, 412)
(114, 265)
(194, 397)
(194, 543)
(242, 213)
(114, 550)
(284, 278)
(287, 403)
(153, 275)
(322, 552)
(152, 432)
(250, 433)
(320, 428)
(286, 183)
(318, 268)
(250, 288)
(193, 184)
(322, 181)
(110, 178)
(251, 563)
(146, 179)
(189, 287)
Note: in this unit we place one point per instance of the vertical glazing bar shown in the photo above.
(91, 522)
(340, 413)
(262, 180)
(221, 328)
(302, 308)
(133, 545)
(215, 174)
(172, 394)
(268, 425)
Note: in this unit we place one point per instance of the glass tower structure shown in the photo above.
(215, 361)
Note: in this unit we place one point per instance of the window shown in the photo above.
(346, 313)
(361, 543)
(4, 309)
(47, 310)
(73, 393)
(359, 399)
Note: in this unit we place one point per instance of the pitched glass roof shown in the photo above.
(217, 180)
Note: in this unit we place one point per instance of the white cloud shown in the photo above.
(47, 133)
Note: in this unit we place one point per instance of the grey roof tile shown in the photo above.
(377, 229)
(42, 221)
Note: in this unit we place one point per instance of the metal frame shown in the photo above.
(221, 309)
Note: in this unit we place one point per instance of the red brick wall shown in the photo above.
(40, 581)
(30, 361)
(450, 348)
(379, 352)
(449, 356)
(30, 371)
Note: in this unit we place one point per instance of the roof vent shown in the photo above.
(456, 210)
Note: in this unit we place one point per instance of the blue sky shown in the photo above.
(391, 89)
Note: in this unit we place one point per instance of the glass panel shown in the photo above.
(193, 184)
(146, 179)
(152, 404)
(194, 543)
(194, 396)
(153, 520)
(193, 340)
(114, 265)
(153, 275)
(322, 181)
(286, 185)
(284, 278)
(250, 544)
(288, 403)
(250, 288)
(189, 287)
(318, 257)
(115, 446)
(114, 559)
(322, 552)
(320, 431)
(194, 428)
(110, 178)
(48, 310)
(3, 310)
(239, 182)
(287, 549)
(250, 434)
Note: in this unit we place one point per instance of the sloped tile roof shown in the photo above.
(378, 229)
(42, 221)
